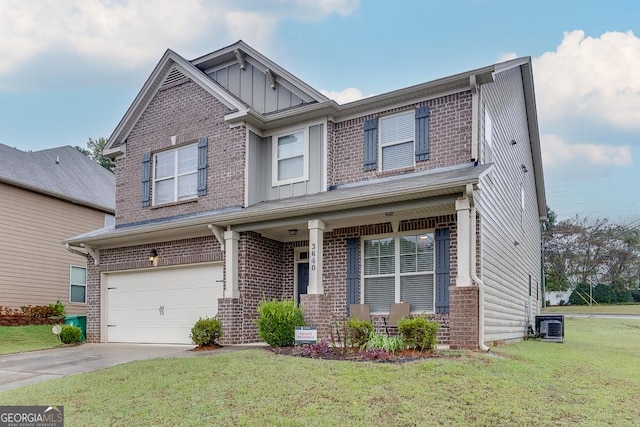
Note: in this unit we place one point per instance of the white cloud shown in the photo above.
(591, 79)
(91, 37)
(506, 56)
(344, 96)
(557, 153)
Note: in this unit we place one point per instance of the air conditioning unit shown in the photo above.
(550, 327)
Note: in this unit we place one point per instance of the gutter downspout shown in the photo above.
(474, 277)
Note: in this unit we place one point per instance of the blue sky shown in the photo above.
(69, 70)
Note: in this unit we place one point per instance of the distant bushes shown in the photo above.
(602, 294)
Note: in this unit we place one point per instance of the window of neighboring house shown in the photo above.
(399, 269)
(175, 175)
(290, 158)
(397, 135)
(109, 220)
(488, 140)
(78, 284)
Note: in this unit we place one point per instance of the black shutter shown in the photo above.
(353, 272)
(370, 144)
(422, 134)
(443, 241)
(146, 178)
(202, 166)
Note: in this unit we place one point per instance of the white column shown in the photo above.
(231, 289)
(464, 246)
(316, 236)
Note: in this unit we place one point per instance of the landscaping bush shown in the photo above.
(358, 331)
(635, 294)
(418, 333)
(206, 331)
(70, 334)
(277, 321)
(384, 342)
(57, 309)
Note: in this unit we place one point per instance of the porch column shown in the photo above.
(231, 289)
(316, 236)
(464, 249)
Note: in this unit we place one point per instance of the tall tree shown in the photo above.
(94, 152)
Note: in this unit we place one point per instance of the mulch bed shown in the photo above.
(206, 347)
(355, 355)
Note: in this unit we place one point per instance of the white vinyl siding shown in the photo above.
(397, 134)
(399, 269)
(77, 284)
(488, 138)
(290, 158)
(175, 175)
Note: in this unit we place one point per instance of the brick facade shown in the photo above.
(187, 112)
(464, 317)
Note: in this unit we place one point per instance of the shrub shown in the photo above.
(70, 334)
(206, 331)
(383, 342)
(418, 333)
(635, 294)
(57, 309)
(322, 349)
(277, 321)
(358, 331)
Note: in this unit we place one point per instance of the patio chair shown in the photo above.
(360, 311)
(397, 312)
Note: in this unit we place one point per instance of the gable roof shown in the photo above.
(64, 173)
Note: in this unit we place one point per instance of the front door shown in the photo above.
(303, 279)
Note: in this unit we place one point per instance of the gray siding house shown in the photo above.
(237, 182)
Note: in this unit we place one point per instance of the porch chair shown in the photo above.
(360, 312)
(397, 312)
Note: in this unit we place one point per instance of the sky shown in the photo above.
(70, 69)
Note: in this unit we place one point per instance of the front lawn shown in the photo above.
(16, 339)
(595, 309)
(592, 379)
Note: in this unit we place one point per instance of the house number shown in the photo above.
(313, 257)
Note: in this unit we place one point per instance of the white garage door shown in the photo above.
(161, 305)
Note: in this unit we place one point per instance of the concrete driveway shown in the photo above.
(17, 370)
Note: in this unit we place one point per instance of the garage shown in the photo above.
(160, 305)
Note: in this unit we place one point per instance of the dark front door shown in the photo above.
(303, 279)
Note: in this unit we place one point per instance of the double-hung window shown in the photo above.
(78, 284)
(399, 269)
(175, 175)
(397, 135)
(290, 158)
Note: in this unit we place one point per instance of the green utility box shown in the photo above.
(79, 320)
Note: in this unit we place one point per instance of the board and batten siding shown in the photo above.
(34, 267)
(505, 264)
(253, 87)
(260, 164)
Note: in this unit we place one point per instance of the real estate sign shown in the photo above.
(306, 335)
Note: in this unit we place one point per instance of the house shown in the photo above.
(238, 182)
(46, 196)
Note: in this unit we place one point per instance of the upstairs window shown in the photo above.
(290, 158)
(396, 141)
(175, 175)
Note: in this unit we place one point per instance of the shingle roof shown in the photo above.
(62, 172)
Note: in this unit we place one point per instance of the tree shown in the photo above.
(94, 152)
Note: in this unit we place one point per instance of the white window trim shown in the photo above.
(398, 274)
(71, 267)
(174, 176)
(274, 157)
(399, 141)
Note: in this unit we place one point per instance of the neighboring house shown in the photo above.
(237, 182)
(45, 196)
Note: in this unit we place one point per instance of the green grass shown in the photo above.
(592, 379)
(16, 339)
(595, 309)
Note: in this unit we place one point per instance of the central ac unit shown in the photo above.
(550, 327)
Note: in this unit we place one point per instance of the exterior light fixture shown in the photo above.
(524, 168)
(513, 142)
(153, 254)
(293, 232)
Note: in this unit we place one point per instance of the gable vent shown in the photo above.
(174, 76)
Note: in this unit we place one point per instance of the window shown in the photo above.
(399, 268)
(290, 152)
(396, 140)
(175, 175)
(78, 284)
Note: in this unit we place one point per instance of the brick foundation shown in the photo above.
(230, 315)
(316, 309)
(463, 317)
